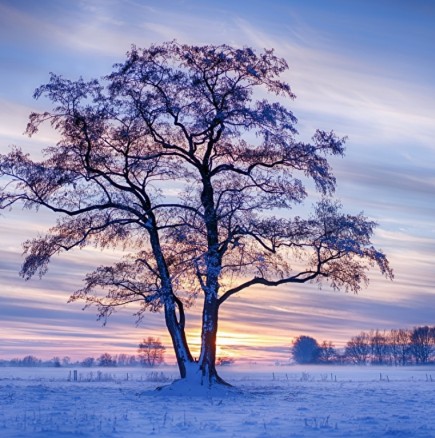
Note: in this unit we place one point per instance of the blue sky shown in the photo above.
(362, 68)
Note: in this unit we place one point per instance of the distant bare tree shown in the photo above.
(55, 361)
(88, 362)
(151, 352)
(379, 348)
(122, 359)
(400, 340)
(106, 360)
(358, 349)
(30, 361)
(327, 352)
(422, 343)
(132, 361)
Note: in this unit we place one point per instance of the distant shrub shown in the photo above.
(224, 361)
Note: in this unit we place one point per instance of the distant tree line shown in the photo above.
(150, 353)
(104, 360)
(393, 347)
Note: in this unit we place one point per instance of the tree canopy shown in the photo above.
(179, 156)
(305, 349)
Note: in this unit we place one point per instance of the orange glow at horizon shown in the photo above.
(253, 327)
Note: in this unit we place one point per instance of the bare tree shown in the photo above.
(380, 348)
(106, 360)
(190, 119)
(358, 349)
(125, 360)
(55, 361)
(30, 361)
(422, 343)
(400, 340)
(327, 352)
(151, 352)
(88, 362)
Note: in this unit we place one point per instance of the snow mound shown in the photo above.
(193, 388)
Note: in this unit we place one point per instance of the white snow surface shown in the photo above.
(274, 401)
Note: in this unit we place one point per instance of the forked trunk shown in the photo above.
(203, 371)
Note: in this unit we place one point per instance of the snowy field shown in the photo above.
(293, 401)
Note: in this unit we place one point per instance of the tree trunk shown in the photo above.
(207, 360)
(175, 326)
(179, 341)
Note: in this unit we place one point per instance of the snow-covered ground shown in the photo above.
(292, 401)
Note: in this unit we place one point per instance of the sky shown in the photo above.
(362, 68)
